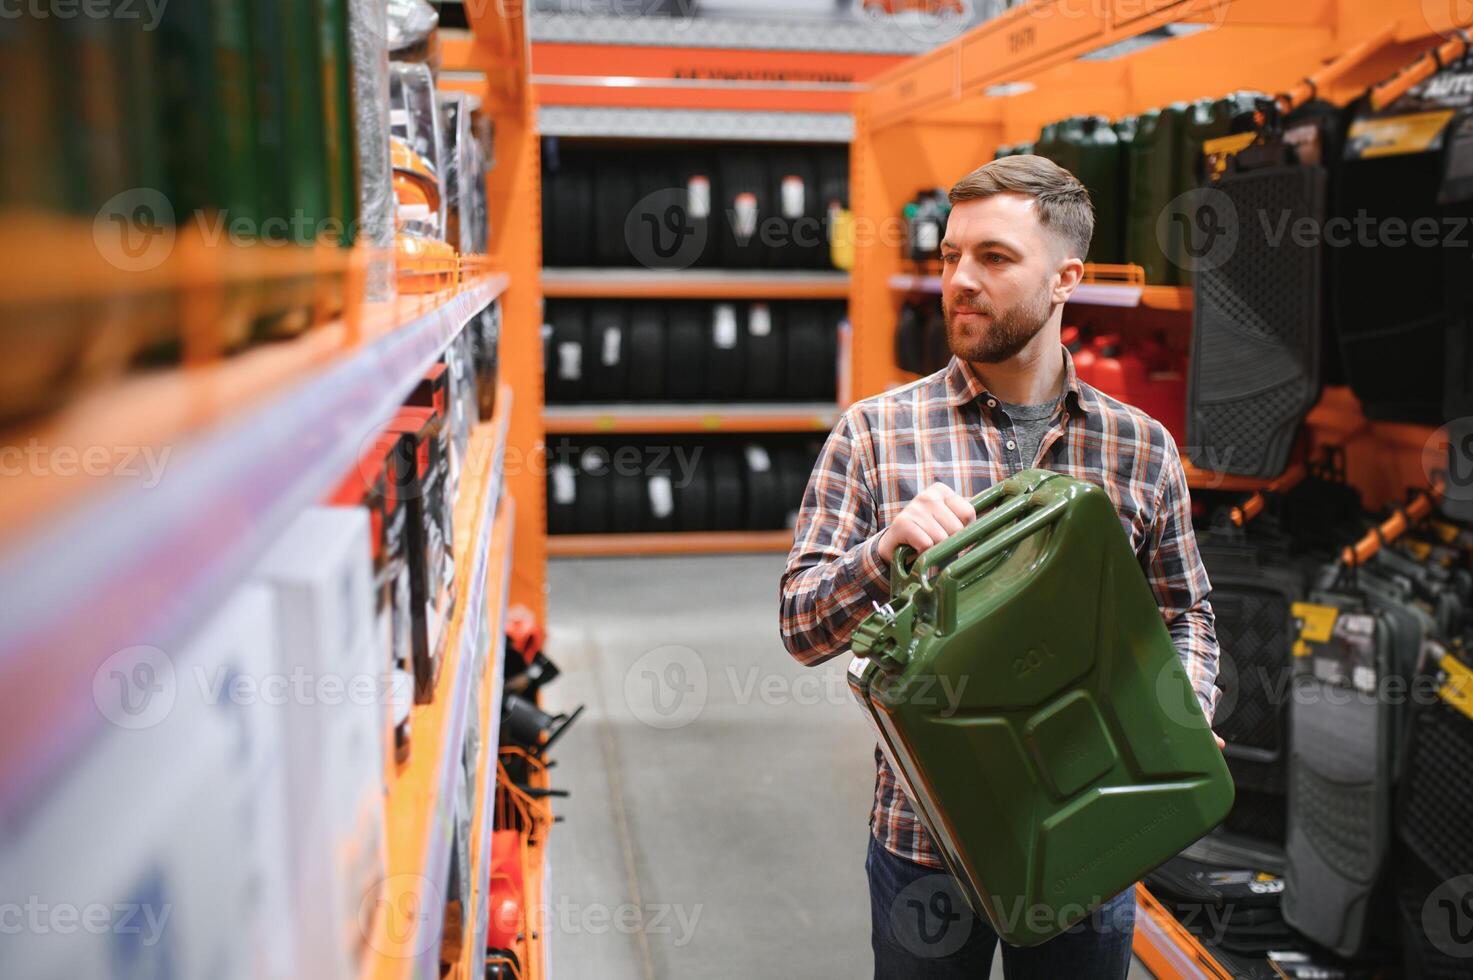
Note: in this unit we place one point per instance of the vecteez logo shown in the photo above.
(134, 231)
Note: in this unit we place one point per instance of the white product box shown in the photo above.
(159, 853)
(321, 574)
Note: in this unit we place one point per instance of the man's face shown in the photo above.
(1000, 273)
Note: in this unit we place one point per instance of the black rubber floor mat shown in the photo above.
(647, 334)
(1434, 910)
(1227, 849)
(1339, 781)
(764, 489)
(728, 499)
(1256, 324)
(726, 354)
(810, 369)
(765, 349)
(1387, 342)
(745, 203)
(565, 350)
(605, 361)
(594, 492)
(613, 200)
(685, 351)
(1182, 880)
(567, 212)
(1435, 806)
(796, 229)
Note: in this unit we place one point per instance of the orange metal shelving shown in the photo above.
(597, 419)
(693, 284)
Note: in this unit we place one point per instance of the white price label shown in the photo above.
(570, 360)
(662, 496)
(759, 321)
(724, 326)
(698, 197)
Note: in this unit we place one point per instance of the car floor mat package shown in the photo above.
(745, 203)
(1434, 811)
(565, 351)
(567, 206)
(726, 354)
(1254, 369)
(766, 347)
(685, 351)
(647, 359)
(613, 200)
(1228, 849)
(1073, 729)
(605, 358)
(1339, 772)
(795, 222)
(1394, 185)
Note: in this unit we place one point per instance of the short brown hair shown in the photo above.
(1063, 202)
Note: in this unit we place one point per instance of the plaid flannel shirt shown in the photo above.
(948, 428)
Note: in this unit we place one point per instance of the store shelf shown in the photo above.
(1086, 293)
(596, 419)
(1166, 947)
(694, 284)
(719, 125)
(672, 543)
(1199, 479)
(421, 799)
(893, 35)
(145, 564)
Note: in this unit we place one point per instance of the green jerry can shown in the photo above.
(1153, 155)
(1097, 160)
(1029, 698)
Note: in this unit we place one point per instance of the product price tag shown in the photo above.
(724, 326)
(759, 321)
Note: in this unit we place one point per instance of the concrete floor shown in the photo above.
(720, 792)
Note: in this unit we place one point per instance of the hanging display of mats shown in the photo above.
(1255, 333)
(1404, 189)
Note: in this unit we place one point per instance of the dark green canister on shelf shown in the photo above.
(1097, 161)
(1153, 155)
(339, 136)
(1028, 695)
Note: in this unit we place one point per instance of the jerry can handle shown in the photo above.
(1021, 486)
(972, 560)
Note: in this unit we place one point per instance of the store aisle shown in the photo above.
(720, 791)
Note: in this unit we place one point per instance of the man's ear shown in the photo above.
(1069, 272)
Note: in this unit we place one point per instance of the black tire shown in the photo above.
(726, 354)
(567, 212)
(565, 351)
(910, 340)
(728, 498)
(765, 349)
(810, 374)
(763, 489)
(793, 469)
(613, 199)
(745, 204)
(627, 507)
(646, 352)
(687, 333)
(832, 164)
(795, 205)
(693, 494)
(594, 492)
(606, 356)
(696, 173)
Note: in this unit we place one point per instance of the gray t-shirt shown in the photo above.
(1030, 424)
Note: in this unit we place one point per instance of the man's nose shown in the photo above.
(967, 276)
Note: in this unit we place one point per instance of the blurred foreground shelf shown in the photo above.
(145, 561)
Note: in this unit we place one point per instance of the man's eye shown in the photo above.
(950, 257)
(996, 258)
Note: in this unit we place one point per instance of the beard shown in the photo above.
(1002, 338)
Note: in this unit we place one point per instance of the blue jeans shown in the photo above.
(922, 927)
